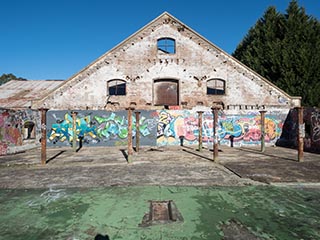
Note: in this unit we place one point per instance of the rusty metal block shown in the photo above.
(161, 212)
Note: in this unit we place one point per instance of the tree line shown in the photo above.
(8, 77)
(285, 49)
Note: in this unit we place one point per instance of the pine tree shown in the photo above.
(285, 49)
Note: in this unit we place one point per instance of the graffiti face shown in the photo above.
(271, 129)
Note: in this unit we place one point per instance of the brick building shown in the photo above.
(168, 72)
(167, 64)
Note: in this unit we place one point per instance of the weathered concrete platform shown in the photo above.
(275, 166)
(167, 166)
(95, 193)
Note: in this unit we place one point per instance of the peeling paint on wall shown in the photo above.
(186, 75)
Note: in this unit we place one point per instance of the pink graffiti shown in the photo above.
(10, 125)
(191, 128)
(207, 129)
(252, 134)
(3, 148)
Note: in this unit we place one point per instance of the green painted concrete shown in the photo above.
(267, 212)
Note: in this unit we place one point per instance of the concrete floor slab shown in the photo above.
(250, 212)
(185, 166)
(95, 193)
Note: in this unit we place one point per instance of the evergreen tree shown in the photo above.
(285, 49)
(8, 77)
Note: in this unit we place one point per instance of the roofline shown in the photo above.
(141, 30)
(105, 54)
(233, 58)
(39, 80)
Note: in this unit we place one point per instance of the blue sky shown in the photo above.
(54, 39)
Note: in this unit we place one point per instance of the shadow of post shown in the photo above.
(55, 156)
(196, 154)
(80, 143)
(268, 155)
(124, 154)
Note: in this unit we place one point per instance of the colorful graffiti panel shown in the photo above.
(98, 128)
(161, 128)
(245, 129)
(173, 125)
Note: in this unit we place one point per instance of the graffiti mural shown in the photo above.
(172, 125)
(12, 127)
(246, 129)
(161, 128)
(62, 130)
(311, 119)
(315, 124)
(98, 128)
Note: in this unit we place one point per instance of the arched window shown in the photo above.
(167, 45)
(116, 87)
(216, 87)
